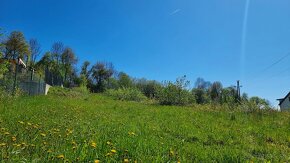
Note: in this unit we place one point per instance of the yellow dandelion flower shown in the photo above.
(29, 124)
(171, 152)
(131, 133)
(32, 145)
(2, 144)
(178, 161)
(13, 138)
(60, 156)
(126, 160)
(49, 151)
(97, 161)
(6, 133)
(74, 147)
(43, 134)
(109, 154)
(109, 143)
(113, 151)
(21, 122)
(73, 143)
(93, 144)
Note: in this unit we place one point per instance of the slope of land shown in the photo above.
(87, 129)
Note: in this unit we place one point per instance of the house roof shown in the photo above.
(281, 100)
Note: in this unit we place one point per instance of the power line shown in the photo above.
(270, 66)
(278, 61)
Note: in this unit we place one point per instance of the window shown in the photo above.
(289, 98)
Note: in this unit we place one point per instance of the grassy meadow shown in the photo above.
(96, 128)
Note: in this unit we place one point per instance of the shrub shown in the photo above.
(175, 93)
(148, 87)
(128, 94)
(68, 92)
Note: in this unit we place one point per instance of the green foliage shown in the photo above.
(84, 130)
(16, 46)
(200, 96)
(215, 91)
(124, 80)
(127, 94)
(68, 59)
(228, 96)
(148, 87)
(175, 93)
(76, 92)
(101, 72)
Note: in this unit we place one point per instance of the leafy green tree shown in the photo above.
(200, 95)
(3, 63)
(45, 67)
(228, 95)
(16, 46)
(175, 93)
(101, 72)
(215, 91)
(84, 69)
(148, 87)
(259, 101)
(68, 59)
(124, 80)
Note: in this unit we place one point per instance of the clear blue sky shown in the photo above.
(164, 39)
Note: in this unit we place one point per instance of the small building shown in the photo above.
(284, 103)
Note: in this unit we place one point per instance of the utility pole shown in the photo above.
(238, 90)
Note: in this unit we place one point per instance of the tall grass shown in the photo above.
(87, 129)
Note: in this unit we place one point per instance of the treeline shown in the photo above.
(58, 68)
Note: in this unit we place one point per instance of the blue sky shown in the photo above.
(164, 39)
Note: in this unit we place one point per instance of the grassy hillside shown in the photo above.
(95, 127)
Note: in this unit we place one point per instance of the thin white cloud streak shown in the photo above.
(175, 11)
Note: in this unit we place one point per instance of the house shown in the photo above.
(284, 103)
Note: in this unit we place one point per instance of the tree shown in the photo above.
(259, 101)
(228, 95)
(68, 59)
(56, 72)
(148, 87)
(200, 83)
(3, 64)
(175, 93)
(124, 80)
(57, 50)
(16, 46)
(215, 91)
(84, 69)
(101, 73)
(45, 66)
(35, 50)
(200, 95)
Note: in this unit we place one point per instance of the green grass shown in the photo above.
(85, 129)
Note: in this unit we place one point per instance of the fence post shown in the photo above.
(39, 84)
(15, 76)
